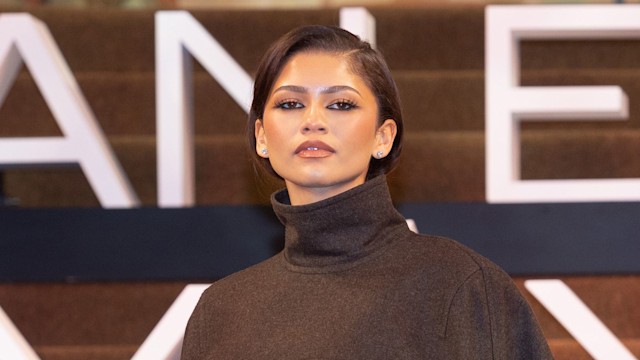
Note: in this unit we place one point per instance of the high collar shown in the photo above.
(339, 231)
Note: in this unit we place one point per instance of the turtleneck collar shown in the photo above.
(338, 232)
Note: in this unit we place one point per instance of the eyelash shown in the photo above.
(341, 105)
(289, 104)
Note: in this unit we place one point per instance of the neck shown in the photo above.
(340, 230)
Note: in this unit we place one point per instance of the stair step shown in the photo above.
(571, 350)
(124, 103)
(87, 314)
(124, 40)
(443, 36)
(435, 166)
(611, 298)
(93, 352)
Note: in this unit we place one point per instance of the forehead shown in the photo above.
(321, 68)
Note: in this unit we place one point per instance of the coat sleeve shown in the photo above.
(490, 319)
(195, 335)
(514, 328)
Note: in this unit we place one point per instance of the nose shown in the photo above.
(314, 121)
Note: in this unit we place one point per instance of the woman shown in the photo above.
(353, 282)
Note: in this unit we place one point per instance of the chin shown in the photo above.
(325, 181)
(312, 182)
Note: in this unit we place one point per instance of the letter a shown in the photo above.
(24, 38)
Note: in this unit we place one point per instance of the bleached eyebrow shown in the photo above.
(327, 90)
(292, 88)
(338, 88)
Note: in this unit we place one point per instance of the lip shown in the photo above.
(314, 146)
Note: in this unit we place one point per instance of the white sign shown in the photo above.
(165, 341)
(578, 319)
(507, 102)
(178, 34)
(359, 21)
(23, 37)
(12, 344)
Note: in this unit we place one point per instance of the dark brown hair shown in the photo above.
(364, 62)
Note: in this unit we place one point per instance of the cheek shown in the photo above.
(276, 135)
(362, 135)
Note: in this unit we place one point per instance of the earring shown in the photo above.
(264, 151)
(379, 154)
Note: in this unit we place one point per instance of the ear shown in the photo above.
(261, 140)
(385, 135)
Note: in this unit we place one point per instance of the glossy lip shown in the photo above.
(313, 145)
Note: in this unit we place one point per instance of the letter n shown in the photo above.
(178, 34)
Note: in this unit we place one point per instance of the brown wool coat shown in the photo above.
(353, 282)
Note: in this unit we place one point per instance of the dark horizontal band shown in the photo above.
(207, 243)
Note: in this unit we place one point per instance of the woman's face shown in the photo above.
(320, 127)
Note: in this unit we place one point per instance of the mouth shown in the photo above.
(314, 149)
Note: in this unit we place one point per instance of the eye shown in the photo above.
(289, 104)
(343, 105)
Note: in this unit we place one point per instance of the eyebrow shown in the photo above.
(326, 90)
